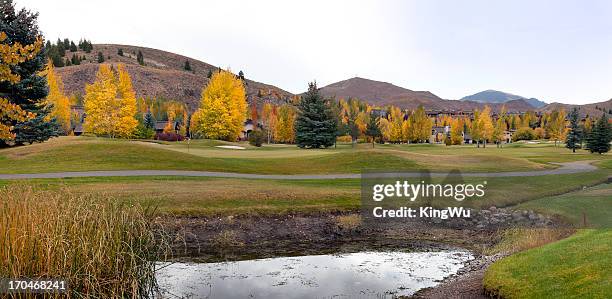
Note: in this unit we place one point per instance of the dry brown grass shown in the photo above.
(521, 239)
(227, 238)
(104, 249)
(349, 222)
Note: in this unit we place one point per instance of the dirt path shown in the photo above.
(566, 168)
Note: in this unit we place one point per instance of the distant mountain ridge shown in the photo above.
(380, 94)
(495, 96)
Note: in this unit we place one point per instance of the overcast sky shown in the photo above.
(553, 50)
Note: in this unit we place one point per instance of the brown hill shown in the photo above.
(592, 110)
(382, 93)
(163, 75)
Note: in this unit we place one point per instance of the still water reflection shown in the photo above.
(352, 275)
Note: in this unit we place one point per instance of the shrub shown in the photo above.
(103, 248)
(257, 138)
(171, 136)
(524, 133)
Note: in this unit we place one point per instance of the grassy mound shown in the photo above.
(576, 267)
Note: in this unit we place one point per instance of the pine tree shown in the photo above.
(373, 131)
(29, 87)
(61, 50)
(241, 75)
(68, 62)
(573, 140)
(149, 121)
(315, 126)
(66, 44)
(223, 108)
(209, 75)
(187, 66)
(37, 129)
(140, 58)
(75, 59)
(598, 141)
(120, 52)
(73, 47)
(100, 57)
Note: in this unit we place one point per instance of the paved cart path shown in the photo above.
(565, 168)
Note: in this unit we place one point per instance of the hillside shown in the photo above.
(494, 96)
(593, 110)
(163, 75)
(382, 93)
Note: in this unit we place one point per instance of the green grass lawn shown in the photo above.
(593, 203)
(224, 196)
(87, 153)
(576, 267)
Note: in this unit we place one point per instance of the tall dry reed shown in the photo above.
(104, 248)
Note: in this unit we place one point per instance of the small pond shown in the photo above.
(350, 275)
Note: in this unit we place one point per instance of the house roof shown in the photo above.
(160, 125)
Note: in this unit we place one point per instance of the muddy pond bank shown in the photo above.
(212, 239)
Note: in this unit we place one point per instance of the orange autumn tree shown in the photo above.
(59, 102)
(11, 55)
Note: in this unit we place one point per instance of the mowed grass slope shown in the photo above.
(576, 267)
(85, 153)
(591, 207)
(201, 196)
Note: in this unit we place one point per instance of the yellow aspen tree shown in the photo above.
(476, 128)
(385, 128)
(126, 122)
(171, 112)
(57, 99)
(486, 125)
(100, 103)
(456, 133)
(223, 107)
(420, 125)
(498, 131)
(110, 104)
(556, 125)
(285, 132)
(269, 120)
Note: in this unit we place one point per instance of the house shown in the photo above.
(248, 127)
(467, 138)
(438, 134)
(161, 125)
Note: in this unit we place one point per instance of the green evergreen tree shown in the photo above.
(120, 52)
(37, 129)
(22, 27)
(149, 121)
(209, 75)
(140, 58)
(68, 62)
(315, 125)
(73, 47)
(187, 66)
(100, 57)
(598, 141)
(373, 131)
(61, 50)
(75, 59)
(66, 44)
(573, 139)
